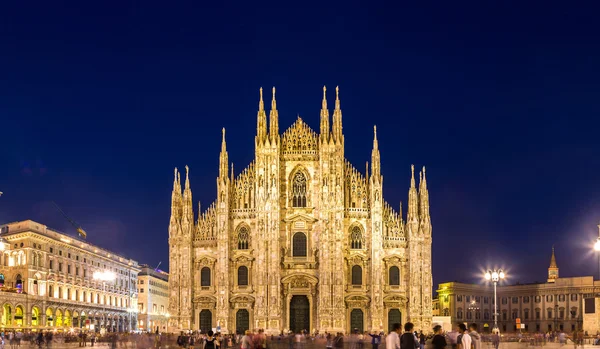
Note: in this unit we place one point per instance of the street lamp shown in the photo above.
(104, 276)
(597, 249)
(495, 276)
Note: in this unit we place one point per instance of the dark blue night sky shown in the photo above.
(98, 104)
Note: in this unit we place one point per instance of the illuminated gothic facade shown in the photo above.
(299, 240)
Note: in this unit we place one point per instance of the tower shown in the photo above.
(376, 243)
(223, 228)
(553, 268)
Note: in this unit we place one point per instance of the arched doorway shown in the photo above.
(205, 320)
(35, 316)
(356, 320)
(394, 317)
(49, 317)
(299, 314)
(58, 322)
(6, 315)
(242, 321)
(19, 316)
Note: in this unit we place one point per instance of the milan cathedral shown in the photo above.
(299, 240)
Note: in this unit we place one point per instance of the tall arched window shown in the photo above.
(243, 238)
(205, 277)
(19, 283)
(356, 275)
(394, 276)
(243, 276)
(299, 245)
(299, 190)
(356, 238)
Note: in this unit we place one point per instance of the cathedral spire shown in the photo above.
(176, 199)
(337, 117)
(223, 158)
(375, 158)
(423, 197)
(553, 269)
(261, 122)
(413, 201)
(274, 118)
(324, 117)
(187, 209)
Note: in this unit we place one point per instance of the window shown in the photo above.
(468, 299)
(77, 271)
(299, 190)
(243, 276)
(537, 314)
(394, 276)
(515, 314)
(51, 250)
(299, 245)
(504, 315)
(538, 299)
(469, 315)
(504, 300)
(50, 291)
(243, 238)
(549, 298)
(51, 264)
(486, 300)
(561, 313)
(549, 313)
(356, 275)
(526, 314)
(459, 313)
(573, 297)
(525, 299)
(561, 297)
(68, 269)
(459, 298)
(59, 266)
(356, 238)
(486, 314)
(204, 277)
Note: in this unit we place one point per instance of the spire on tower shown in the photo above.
(223, 158)
(274, 118)
(375, 158)
(337, 117)
(413, 201)
(424, 197)
(553, 269)
(324, 117)
(261, 122)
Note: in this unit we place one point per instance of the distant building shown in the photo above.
(153, 299)
(47, 280)
(559, 304)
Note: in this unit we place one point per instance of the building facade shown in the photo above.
(153, 300)
(48, 281)
(299, 240)
(560, 304)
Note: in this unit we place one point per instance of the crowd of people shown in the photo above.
(400, 337)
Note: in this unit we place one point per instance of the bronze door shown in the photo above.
(242, 321)
(205, 320)
(356, 320)
(394, 317)
(299, 314)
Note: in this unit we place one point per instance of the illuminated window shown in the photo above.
(299, 245)
(299, 190)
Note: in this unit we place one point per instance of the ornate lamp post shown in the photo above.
(495, 276)
(104, 276)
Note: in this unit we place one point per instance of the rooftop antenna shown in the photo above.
(156, 269)
(77, 227)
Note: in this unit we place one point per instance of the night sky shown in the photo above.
(98, 104)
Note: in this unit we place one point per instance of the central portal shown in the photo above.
(299, 314)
